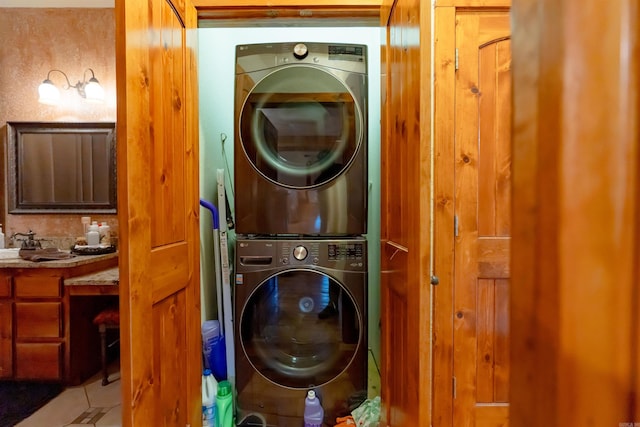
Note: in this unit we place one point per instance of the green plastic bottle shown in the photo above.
(224, 402)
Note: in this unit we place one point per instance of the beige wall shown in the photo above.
(35, 41)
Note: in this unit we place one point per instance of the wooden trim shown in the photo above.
(351, 15)
(385, 11)
(194, 337)
(444, 194)
(474, 3)
(230, 4)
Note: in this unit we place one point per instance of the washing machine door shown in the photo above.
(300, 126)
(300, 329)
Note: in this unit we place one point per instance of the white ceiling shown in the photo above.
(57, 3)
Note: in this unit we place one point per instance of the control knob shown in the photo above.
(300, 51)
(300, 253)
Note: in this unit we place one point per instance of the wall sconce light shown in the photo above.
(90, 90)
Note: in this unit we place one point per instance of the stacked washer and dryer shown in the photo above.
(300, 314)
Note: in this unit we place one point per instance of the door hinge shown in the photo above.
(455, 225)
(457, 64)
(454, 387)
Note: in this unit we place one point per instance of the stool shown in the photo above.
(109, 318)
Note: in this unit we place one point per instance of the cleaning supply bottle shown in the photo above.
(209, 392)
(313, 412)
(93, 235)
(213, 348)
(224, 402)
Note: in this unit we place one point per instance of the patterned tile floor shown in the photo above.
(91, 404)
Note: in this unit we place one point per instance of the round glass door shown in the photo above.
(300, 329)
(300, 127)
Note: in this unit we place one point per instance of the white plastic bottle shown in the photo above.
(93, 235)
(209, 392)
(105, 233)
(1, 238)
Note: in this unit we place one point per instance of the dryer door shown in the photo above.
(300, 126)
(300, 329)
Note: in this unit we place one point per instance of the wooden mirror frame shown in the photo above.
(15, 140)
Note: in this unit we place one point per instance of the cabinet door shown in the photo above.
(6, 326)
(40, 361)
(38, 320)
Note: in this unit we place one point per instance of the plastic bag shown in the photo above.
(368, 413)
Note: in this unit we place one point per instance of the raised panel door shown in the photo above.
(483, 208)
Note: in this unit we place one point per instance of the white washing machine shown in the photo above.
(300, 148)
(300, 324)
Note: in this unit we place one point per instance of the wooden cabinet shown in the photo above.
(36, 321)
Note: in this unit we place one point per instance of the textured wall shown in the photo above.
(33, 42)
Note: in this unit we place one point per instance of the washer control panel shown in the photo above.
(255, 254)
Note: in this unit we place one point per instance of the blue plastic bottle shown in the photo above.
(313, 412)
(213, 348)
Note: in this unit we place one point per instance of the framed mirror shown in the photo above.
(57, 167)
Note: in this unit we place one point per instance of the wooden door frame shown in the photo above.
(444, 74)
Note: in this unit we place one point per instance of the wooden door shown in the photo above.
(405, 218)
(158, 213)
(482, 227)
(576, 214)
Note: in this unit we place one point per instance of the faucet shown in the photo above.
(29, 242)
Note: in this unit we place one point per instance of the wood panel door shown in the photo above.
(405, 218)
(482, 227)
(158, 213)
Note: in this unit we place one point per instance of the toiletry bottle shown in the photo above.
(224, 405)
(93, 236)
(105, 234)
(86, 222)
(1, 238)
(313, 412)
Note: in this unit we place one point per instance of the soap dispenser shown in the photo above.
(93, 235)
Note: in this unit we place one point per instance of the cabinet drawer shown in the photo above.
(38, 319)
(40, 361)
(38, 287)
(5, 286)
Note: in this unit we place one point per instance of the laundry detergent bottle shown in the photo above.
(209, 393)
(224, 402)
(313, 412)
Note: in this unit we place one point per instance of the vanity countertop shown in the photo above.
(75, 261)
(110, 276)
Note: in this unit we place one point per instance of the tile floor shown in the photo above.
(92, 404)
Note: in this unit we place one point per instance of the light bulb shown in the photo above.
(49, 94)
(93, 91)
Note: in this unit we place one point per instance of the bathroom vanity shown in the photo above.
(46, 332)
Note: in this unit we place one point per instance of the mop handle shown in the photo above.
(214, 212)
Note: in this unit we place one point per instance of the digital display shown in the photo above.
(345, 251)
(346, 53)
